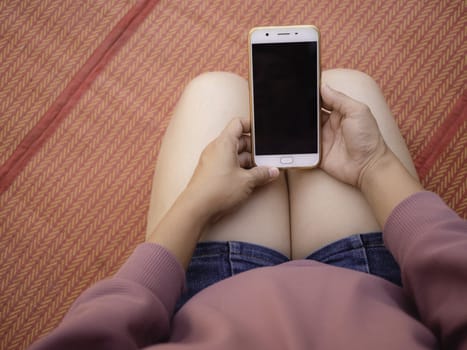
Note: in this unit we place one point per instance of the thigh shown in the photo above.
(323, 209)
(208, 103)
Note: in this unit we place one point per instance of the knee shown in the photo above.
(213, 83)
(349, 77)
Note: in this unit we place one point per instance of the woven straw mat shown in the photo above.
(87, 89)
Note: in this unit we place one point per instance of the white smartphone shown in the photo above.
(284, 80)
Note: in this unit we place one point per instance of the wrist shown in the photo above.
(377, 166)
(180, 228)
(195, 207)
(386, 183)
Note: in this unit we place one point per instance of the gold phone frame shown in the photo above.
(250, 93)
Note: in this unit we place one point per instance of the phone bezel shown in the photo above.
(299, 33)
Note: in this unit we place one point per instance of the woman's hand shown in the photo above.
(352, 142)
(354, 152)
(224, 176)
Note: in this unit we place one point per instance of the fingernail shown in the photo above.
(273, 172)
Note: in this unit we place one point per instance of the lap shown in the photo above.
(215, 261)
(294, 215)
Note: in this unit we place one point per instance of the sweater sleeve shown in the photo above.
(429, 241)
(129, 311)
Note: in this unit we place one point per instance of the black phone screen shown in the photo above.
(285, 97)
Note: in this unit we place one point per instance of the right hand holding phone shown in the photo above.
(351, 140)
(224, 176)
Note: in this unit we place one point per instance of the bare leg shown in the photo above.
(324, 210)
(208, 103)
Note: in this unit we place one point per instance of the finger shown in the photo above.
(244, 144)
(245, 160)
(328, 138)
(237, 127)
(246, 125)
(325, 108)
(262, 175)
(234, 129)
(230, 136)
(335, 120)
(337, 101)
(324, 116)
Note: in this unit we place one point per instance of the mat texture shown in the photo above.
(86, 92)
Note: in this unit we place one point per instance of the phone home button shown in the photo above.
(286, 160)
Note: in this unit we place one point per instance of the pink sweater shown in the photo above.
(296, 305)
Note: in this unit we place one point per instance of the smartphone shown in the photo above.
(284, 80)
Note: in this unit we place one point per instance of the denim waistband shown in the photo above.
(215, 261)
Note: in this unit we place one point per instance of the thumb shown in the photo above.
(261, 175)
(338, 101)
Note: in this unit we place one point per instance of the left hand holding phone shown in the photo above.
(355, 153)
(352, 141)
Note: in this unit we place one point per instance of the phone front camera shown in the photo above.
(267, 34)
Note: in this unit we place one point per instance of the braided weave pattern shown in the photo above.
(77, 209)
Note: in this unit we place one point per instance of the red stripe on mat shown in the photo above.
(426, 159)
(50, 121)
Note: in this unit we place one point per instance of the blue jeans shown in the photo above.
(215, 261)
